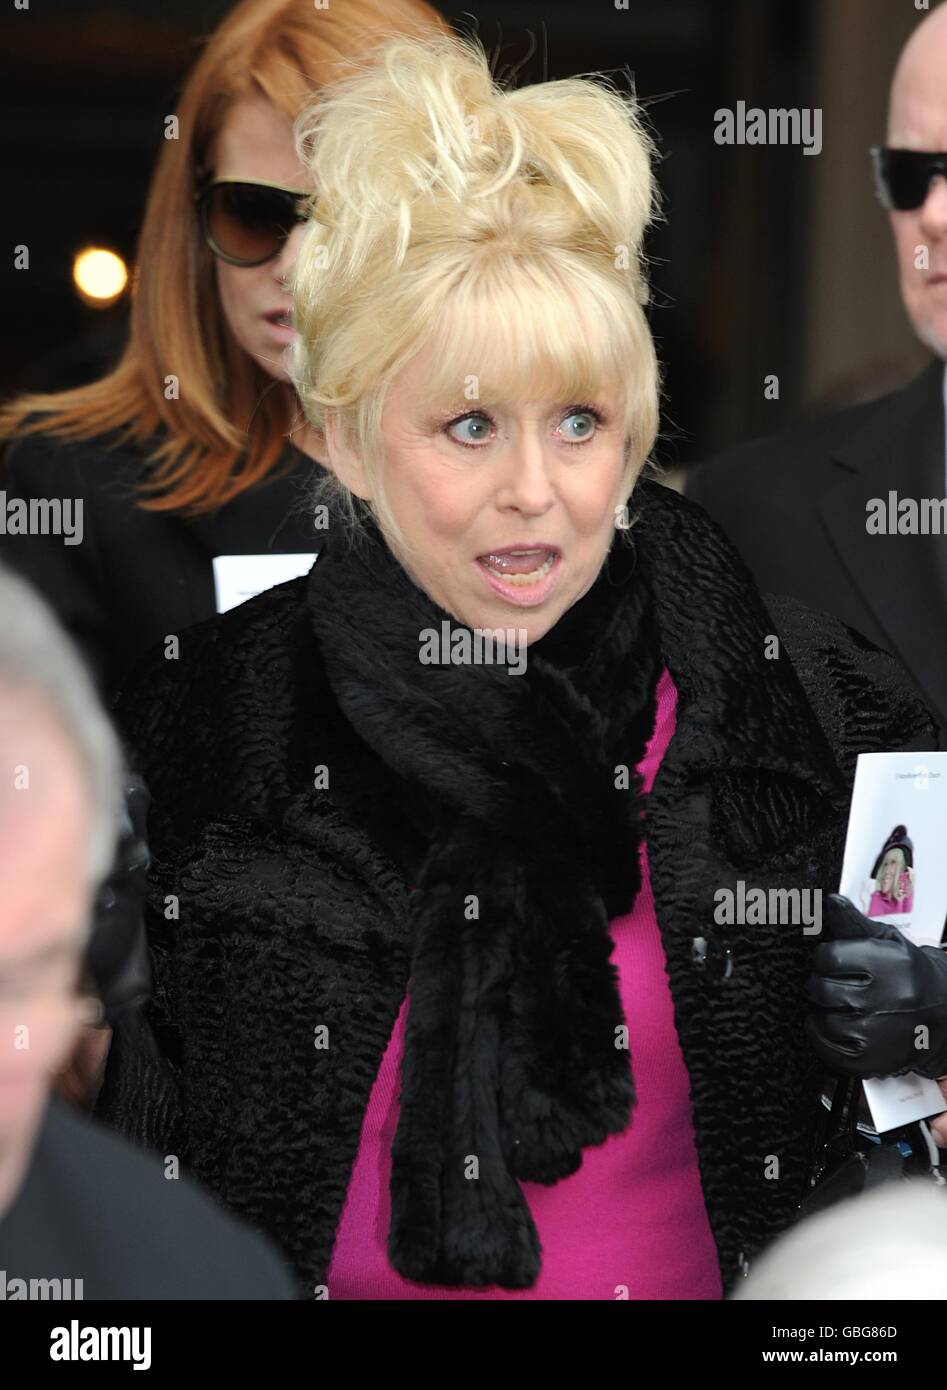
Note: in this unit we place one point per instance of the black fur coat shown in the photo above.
(275, 909)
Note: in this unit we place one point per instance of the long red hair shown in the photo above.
(228, 409)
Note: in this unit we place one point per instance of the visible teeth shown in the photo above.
(533, 577)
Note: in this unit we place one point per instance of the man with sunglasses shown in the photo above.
(804, 508)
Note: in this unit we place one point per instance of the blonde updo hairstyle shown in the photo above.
(502, 228)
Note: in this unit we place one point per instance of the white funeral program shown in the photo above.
(895, 870)
(240, 577)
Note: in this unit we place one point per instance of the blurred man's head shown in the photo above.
(917, 120)
(59, 786)
(887, 1243)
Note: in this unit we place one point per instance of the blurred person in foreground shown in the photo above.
(887, 1244)
(191, 460)
(78, 1204)
(444, 999)
(811, 510)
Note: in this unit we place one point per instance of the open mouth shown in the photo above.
(280, 320)
(520, 567)
(523, 575)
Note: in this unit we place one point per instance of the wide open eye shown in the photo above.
(580, 425)
(477, 425)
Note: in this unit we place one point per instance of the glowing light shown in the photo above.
(100, 276)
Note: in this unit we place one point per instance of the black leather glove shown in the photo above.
(872, 992)
(118, 952)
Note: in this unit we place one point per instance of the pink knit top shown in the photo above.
(631, 1222)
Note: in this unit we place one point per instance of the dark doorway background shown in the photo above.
(743, 284)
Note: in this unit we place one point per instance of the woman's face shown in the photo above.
(507, 517)
(256, 142)
(889, 872)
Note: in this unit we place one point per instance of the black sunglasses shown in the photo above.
(903, 177)
(246, 221)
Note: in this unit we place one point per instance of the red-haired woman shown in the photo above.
(192, 448)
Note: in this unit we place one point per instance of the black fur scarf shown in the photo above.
(513, 1061)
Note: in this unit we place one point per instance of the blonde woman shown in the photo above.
(890, 887)
(443, 1002)
(194, 447)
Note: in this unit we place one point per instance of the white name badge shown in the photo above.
(241, 577)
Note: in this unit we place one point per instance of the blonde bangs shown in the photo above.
(552, 330)
(522, 331)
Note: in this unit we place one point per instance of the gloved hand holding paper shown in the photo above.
(879, 983)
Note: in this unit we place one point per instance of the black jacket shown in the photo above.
(795, 506)
(276, 907)
(137, 575)
(93, 1209)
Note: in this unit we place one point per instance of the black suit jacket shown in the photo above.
(795, 505)
(139, 575)
(92, 1207)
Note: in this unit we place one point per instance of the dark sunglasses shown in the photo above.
(247, 221)
(903, 177)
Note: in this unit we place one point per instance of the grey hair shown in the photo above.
(889, 1243)
(37, 656)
